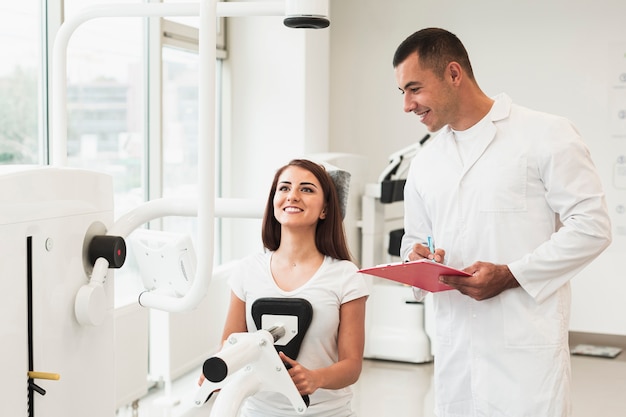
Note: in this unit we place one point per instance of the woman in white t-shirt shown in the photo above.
(306, 257)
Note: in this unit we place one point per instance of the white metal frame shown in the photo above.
(208, 11)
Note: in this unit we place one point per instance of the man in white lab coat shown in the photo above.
(511, 196)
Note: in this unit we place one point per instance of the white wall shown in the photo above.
(557, 56)
(279, 85)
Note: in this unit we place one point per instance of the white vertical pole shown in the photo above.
(207, 37)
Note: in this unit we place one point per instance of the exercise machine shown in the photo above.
(396, 322)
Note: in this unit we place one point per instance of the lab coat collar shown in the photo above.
(500, 110)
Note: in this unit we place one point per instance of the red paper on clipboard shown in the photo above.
(423, 274)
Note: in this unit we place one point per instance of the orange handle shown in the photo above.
(43, 375)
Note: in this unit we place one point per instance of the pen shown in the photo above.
(431, 245)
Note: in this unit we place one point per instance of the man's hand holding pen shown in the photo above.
(423, 252)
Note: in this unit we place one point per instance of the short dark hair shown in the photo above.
(436, 48)
(330, 237)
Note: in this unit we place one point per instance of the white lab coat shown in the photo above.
(528, 196)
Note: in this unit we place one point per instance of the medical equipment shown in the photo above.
(51, 365)
(395, 320)
(166, 261)
(249, 362)
(393, 177)
(307, 14)
(57, 320)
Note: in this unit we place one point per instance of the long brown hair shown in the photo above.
(330, 237)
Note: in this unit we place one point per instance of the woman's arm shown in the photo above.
(350, 340)
(235, 318)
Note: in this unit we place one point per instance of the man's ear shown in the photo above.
(454, 71)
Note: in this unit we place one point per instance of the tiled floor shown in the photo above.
(395, 389)
(405, 390)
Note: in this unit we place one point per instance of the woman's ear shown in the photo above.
(323, 214)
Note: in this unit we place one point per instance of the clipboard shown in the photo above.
(423, 273)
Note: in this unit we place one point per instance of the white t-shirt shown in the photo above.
(464, 139)
(335, 282)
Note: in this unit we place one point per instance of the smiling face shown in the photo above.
(430, 97)
(299, 199)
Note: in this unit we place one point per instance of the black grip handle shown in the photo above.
(215, 369)
(111, 248)
(305, 398)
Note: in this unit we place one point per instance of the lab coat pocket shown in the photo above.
(504, 189)
(527, 323)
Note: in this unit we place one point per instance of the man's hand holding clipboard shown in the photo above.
(481, 280)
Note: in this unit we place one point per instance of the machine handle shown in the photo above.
(111, 248)
(40, 375)
(305, 397)
(44, 375)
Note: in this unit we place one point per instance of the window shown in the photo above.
(180, 130)
(20, 83)
(110, 64)
(106, 102)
